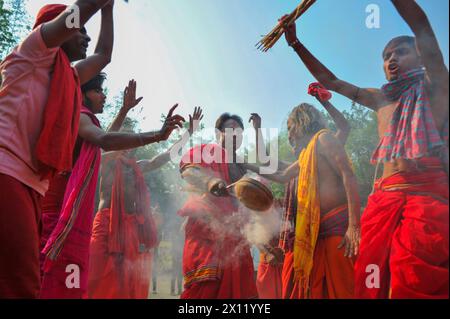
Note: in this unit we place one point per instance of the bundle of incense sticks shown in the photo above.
(270, 39)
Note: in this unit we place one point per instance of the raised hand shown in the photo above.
(290, 30)
(194, 120)
(255, 119)
(129, 96)
(171, 123)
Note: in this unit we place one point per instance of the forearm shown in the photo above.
(123, 141)
(198, 178)
(317, 69)
(278, 177)
(353, 200)
(105, 42)
(260, 144)
(118, 121)
(155, 163)
(88, 8)
(413, 15)
(342, 125)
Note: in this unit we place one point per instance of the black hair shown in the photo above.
(227, 116)
(410, 41)
(95, 83)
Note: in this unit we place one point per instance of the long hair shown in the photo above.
(304, 120)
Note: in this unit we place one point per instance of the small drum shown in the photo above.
(253, 194)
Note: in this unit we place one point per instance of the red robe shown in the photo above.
(404, 244)
(268, 280)
(67, 217)
(217, 263)
(121, 260)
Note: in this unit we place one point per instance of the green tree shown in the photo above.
(361, 144)
(15, 23)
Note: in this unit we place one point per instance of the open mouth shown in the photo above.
(393, 68)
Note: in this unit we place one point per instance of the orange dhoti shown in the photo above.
(332, 275)
(268, 281)
(118, 276)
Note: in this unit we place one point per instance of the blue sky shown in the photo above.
(201, 52)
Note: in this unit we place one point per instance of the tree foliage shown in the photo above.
(15, 23)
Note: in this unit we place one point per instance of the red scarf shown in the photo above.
(62, 112)
(319, 91)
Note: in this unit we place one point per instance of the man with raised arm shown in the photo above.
(124, 230)
(40, 103)
(405, 225)
(68, 206)
(275, 271)
(322, 207)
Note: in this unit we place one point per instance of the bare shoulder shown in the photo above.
(327, 142)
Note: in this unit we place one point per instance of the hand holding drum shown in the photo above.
(253, 194)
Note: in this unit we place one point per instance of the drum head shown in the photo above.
(253, 194)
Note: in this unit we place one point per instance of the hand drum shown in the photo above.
(253, 194)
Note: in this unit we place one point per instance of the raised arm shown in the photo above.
(323, 96)
(371, 98)
(162, 159)
(56, 32)
(342, 125)
(255, 119)
(122, 141)
(427, 43)
(129, 102)
(95, 63)
(335, 154)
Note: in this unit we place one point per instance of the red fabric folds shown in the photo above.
(54, 148)
(405, 237)
(69, 229)
(217, 263)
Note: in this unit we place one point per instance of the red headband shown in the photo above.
(48, 13)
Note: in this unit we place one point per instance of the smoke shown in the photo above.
(262, 227)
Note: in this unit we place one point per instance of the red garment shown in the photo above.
(120, 265)
(290, 287)
(57, 139)
(332, 273)
(69, 228)
(319, 91)
(111, 277)
(217, 263)
(147, 230)
(405, 235)
(268, 281)
(19, 240)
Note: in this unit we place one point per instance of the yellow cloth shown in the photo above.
(308, 212)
